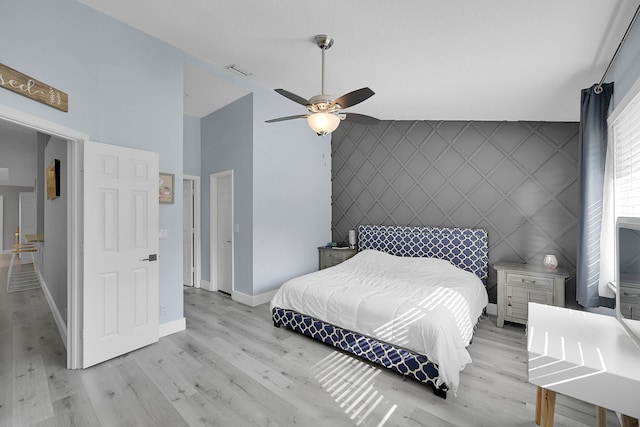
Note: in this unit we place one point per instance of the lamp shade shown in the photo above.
(323, 123)
(352, 237)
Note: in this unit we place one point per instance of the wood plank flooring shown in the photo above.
(231, 367)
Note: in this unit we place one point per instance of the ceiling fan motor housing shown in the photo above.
(322, 103)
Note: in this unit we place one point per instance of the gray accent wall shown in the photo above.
(517, 180)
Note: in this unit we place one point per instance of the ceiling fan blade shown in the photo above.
(281, 119)
(292, 96)
(360, 119)
(355, 97)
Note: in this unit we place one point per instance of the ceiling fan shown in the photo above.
(325, 112)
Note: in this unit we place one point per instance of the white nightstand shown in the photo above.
(334, 256)
(519, 284)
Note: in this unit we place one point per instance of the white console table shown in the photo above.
(583, 355)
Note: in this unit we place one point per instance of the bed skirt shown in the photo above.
(397, 359)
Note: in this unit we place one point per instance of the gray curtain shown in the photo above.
(591, 160)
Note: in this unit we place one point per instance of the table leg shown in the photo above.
(548, 399)
(601, 416)
(628, 421)
(538, 403)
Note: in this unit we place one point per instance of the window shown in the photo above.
(625, 130)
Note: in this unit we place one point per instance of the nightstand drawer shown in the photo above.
(529, 280)
(334, 256)
(330, 257)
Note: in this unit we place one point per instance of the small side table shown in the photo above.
(334, 256)
(584, 355)
(519, 284)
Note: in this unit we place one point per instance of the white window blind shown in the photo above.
(626, 136)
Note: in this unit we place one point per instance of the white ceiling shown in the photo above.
(425, 59)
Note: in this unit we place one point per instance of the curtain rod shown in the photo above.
(598, 88)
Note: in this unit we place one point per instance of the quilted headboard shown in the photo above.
(466, 248)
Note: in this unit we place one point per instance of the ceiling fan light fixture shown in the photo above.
(323, 123)
(325, 112)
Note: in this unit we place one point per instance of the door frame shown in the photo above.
(72, 334)
(213, 231)
(197, 239)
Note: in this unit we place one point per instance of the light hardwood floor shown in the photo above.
(231, 367)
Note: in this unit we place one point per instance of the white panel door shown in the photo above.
(120, 290)
(188, 269)
(225, 233)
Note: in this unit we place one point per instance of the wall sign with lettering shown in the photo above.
(20, 83)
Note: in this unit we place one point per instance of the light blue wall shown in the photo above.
(191, 140)
(292, 193)
(227, 141)
(625, 71)
(124, 87)
(282, 189)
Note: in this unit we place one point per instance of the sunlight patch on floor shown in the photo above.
(350, 382)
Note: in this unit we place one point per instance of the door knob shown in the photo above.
(152, 257)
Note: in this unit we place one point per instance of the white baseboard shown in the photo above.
(59, 319)
(492, 309)
(253, 300)
(172, 327)
(207, 286)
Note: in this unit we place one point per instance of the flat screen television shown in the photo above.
(628, 274)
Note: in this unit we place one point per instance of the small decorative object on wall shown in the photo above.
(22, 84)
(550, 262)
(165, 186)
(53, 179)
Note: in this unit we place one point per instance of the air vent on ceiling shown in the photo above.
(239, 70)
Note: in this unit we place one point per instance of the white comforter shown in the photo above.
(422, 304)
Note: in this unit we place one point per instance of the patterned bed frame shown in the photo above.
(465, 248)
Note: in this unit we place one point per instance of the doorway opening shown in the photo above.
(191, 231)
(68, 323)
(222, 229)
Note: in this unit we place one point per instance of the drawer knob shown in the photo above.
(531, 282)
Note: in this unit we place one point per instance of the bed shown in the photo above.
(408, 301)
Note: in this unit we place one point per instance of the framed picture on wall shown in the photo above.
(53, 179)
(166, 187)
